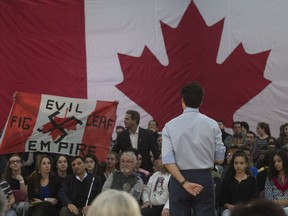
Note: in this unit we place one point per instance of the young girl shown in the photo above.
(276, 186)
(62, 167)
(93, 166)
(238, 186)
(16, 177)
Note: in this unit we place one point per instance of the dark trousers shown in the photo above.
(181, 202)
(154, 211)
(66, 212)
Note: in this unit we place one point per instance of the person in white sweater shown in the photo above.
(155, 195)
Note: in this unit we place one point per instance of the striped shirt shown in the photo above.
(5, 187)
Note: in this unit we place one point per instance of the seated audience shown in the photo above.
(276, 186)
(42, 189)
(221, 125)
(111, 163)
(78, 189)
(229, 154)
(126, 179)
(238, 186)
(262, 174)
(10, 199)
(253, 169)
(237, 139)
(263, 131)
(258, 208)
(16, 176)
(61, 166)
(141, 172)
(250, 143)
(156, 194)
(244, 127)
(93, 166)
(283, 137)
(3, 203)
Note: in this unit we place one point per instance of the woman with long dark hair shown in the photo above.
(16, 176)
(238, 186)
(93, 166)
(43, 188)
(263, 131)
(61, 166)
(283, 137)
(276, 186)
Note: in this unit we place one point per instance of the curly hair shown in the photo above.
(272, 172)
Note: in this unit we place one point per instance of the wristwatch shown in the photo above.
(183, 182)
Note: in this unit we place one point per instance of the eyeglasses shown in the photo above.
(14, 161)
(128, 161)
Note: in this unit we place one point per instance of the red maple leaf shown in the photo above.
(192, 50)
(58, 126)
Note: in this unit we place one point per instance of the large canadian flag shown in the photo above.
(141, 53)
(53, 124)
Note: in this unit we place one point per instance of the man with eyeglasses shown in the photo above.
(126, 179)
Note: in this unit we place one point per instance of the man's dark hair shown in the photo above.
(260, 207)
(192, 95)
(236, 122)
(245, 125)
(134, 115)
(251, 132)
(120, 127)
(154, 121)
(221, 121)
(76, 157)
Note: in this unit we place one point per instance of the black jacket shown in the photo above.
(146, 143)
(68, 191)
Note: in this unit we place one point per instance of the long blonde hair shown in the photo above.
(114, 203)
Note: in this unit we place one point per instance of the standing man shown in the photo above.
(192, 142)
(139, 138)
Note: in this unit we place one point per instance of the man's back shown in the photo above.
(193, 136)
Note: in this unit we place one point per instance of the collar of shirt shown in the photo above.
(137, 131)
(189, 109)
(85, 175)
(134, 138)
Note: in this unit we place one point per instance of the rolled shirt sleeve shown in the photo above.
(219, 148)
(168, 156)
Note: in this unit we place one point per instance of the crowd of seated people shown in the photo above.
(256, 167)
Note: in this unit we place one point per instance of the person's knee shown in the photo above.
(22, 208)
(64, 211)
(11, 212)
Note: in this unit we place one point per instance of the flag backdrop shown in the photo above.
(54, 124)
(141, 53)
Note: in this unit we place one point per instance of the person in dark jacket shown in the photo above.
(139, 138)
(78, 190)
(42, 189)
